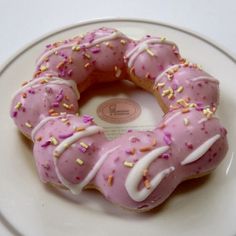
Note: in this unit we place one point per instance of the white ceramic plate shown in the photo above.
(200, 207)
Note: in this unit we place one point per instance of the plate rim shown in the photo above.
(4, 66)
(7, 225)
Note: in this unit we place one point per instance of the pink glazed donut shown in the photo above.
(139, 169)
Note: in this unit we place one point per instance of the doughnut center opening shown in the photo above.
(120, 106)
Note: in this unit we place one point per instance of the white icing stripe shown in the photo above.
(163, 73)
(136, 174)
(143, 46)
(200, 151)
(172, 117)
(54, 80)
(40, 125)
(76, 188)
(208, 78)
(76, 136)
(114, 35)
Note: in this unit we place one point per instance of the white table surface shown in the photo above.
(22, 21)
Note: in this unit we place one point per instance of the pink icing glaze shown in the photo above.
(73, 151)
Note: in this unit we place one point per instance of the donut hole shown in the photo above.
(119, 107)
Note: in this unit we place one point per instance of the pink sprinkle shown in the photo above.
(31, 91)
(60, 96)
(95, 50)
(55, 104)
(87, 119)
(166, 155)
(63, 136)
(14, 114)
(69, 73)
(167, 138)
(82, 149)
(134, 140)
(47, 143)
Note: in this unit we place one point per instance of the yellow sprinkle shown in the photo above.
(76, 48)
(54, 114)
(147, 184)
(180, 89)
(78, 129)
(53, 140)
(43, 68)
(192, 105)
(163, 39)
(66, 106)
(87, 55)
(185, 110)
(161, 85)
(170, 96)
(123, 42)
(128, 164)
(79, 161)
(84, 145)
(18, 105)
(27, 124)
(165, 92)
(43, 81)
(145, 149)
(117, 72)
(110, 180)
(186, 121)
(87, 65)
(66, 145)
(150, 52)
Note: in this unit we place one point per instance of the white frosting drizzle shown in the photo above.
(76, 188)
(172, 117)
(40, 124)
(163, 73)
(54, 80)
(132, 54)
(202, 120)
(208, 78)
(136, 174)
(113, 35)
(200, 151)
(76, 136)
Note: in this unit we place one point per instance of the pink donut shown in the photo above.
(139, 169)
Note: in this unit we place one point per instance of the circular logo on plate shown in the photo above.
(119, 110)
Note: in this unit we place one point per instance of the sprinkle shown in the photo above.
(47, 143)
(86, 55)
(118, 72)
(154, 142)
(14, 113)
(162, 39)
(24, 83)
(54, 114)
(208, 113)
(43, 68)
(131, 151)
(185, 110)
(64, 136)
(78, 129)
(110, 180)
(165, 156)
(60, 65)
(75, 48)
(66, 106)
(53, 140)
(24, 95)
(87, 65)
(186, 121)
(18, 105)
(147, 184)
(182, 102)
(150, 52)
(95, 50)
(165, 92)
(160, 85)
(145, 149)
(43, 81)
(128, 164)
(79, 161)
(145, 172)
(87, 119)
(123, 42)
(39, 138)
(180, 89)
(167, 138)
(171, 96)
(27, 124)
(84, 145)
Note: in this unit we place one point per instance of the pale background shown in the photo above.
(22, 21)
